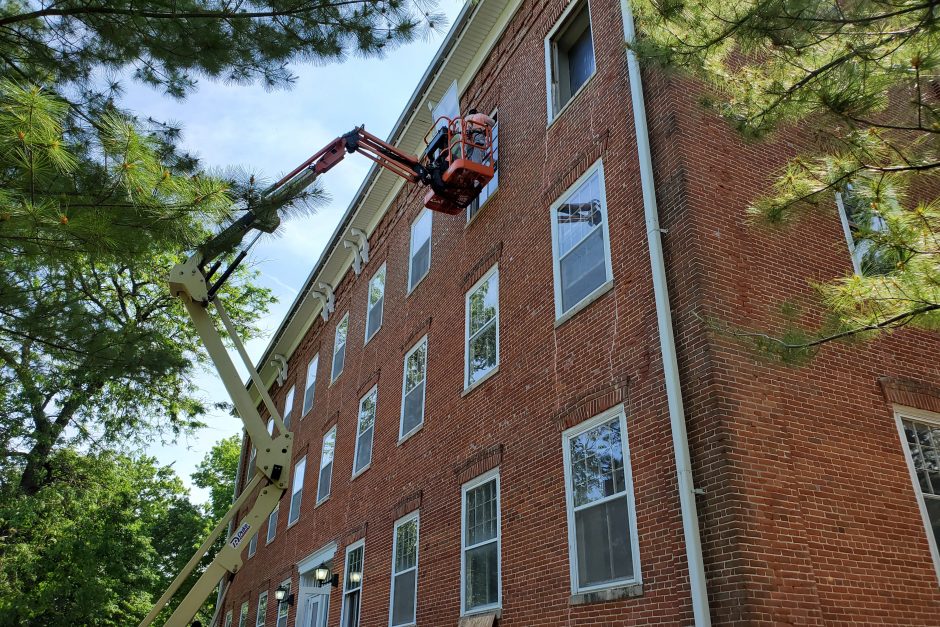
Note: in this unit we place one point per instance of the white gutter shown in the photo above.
(667, 342)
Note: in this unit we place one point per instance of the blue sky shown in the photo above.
(270, 133)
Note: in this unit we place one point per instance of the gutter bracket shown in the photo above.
(280, 362)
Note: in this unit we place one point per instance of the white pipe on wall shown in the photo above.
(680, 439)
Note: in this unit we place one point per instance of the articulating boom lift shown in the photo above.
(454, 167)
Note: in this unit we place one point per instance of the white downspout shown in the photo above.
(680, 438)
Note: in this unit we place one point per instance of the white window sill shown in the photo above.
(614, 593)
(495, 610)
(583, 304)
(481, 207)
(267, 542)
(408, 435)
(319, 503)
(289, 525)
(369, 339)
(480, 381)
(574, 97)
(360, 471)
(412, 289)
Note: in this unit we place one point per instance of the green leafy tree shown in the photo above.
(865, 74)
(96, 544)
(216, 473)
(97, 204)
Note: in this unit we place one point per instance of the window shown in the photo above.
(283, 607)
(261, 614)
(364, 431)
(311, 384)
(228, 618)
(490, 187)
(376, 300)
(580, 246)
(862, 226)
(480, 557)
(339, 347)
(921, 433)
(272, 524)
(420, 259)
(601, 525)
(569, 56)
(253, 544)
(482, 328)
(251, 461)
(243, 615)
(412, 402)
(326, 465)
(352, 584)
(404, 571)
(288, 406)
(298, 490)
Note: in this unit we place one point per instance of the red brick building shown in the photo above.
(489, 409)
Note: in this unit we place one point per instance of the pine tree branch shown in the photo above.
(893, 322)
(171, 15)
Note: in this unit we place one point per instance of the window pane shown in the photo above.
(377, 287)
(297, 490)
(483, 304)
(375, 318)
(583, 270)
(579, 214)
(414, 409)
(253, 545)
(311, 383)
(933, 514)
(581, 60)
(326, 475)
(482, 584)
(339, 349)
(262, 612)
(415, 366)
(326, 465)
(351, 611)
(483, 353)
(364, 452)
(597, 463)
(406, 546)
(354, 569)
(403, 605)
(481, 513)
(420, 263)
(288, 406)
(272, 524)
(603, 538)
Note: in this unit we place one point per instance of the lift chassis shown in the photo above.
(454, 178)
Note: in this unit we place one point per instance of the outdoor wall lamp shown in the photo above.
(321, 575)
(281, 595)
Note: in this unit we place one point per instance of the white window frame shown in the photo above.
(288, 406)
(243, 615)
(228, 618)
(919, 415)
(373, 390)
(467, 385)
(349, 549)
(488, 189)
(550, 59)
(269, 537)
(473, 483)
(619, 413)
(333, 374)
(402, 436)
(329, 488)
(311, 382)
(560, 314)
(407, 518)
(277, 617)
(261, 617)
(370, 308)
(411, 247)
(295, 490)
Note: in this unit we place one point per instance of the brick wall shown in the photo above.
(809, 515)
